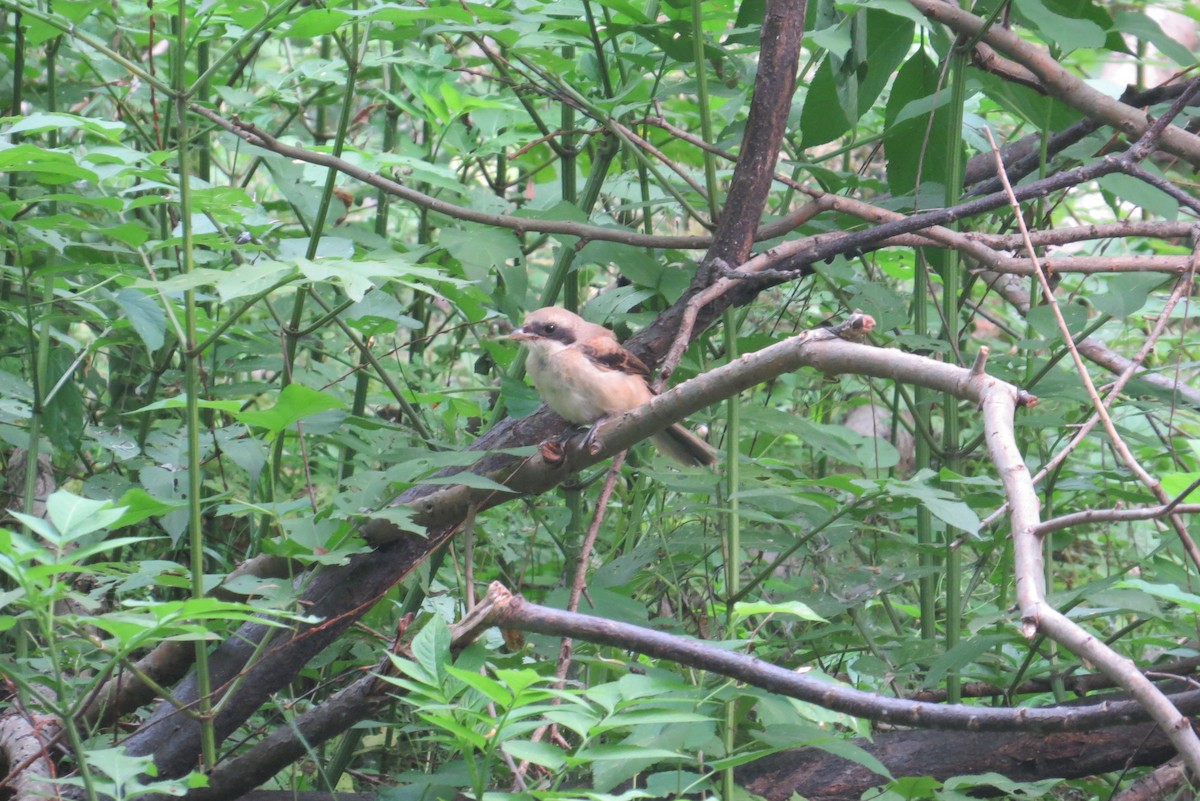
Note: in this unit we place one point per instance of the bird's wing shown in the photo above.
(610, 355)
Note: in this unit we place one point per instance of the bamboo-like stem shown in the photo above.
(191, 379)
(733, 538)
(951, 313)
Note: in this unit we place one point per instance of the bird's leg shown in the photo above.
(554, 450)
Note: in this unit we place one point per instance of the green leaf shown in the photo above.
(962, 654)
(46, 121)
(967, 787)
(357, 277)
(792, 608)
(145, 315)
(1067, 33)
(1141, 194)
(317, 22)
(941, 504)
(180, 402)
(49, 166)
(822, 119)
(479, 250)
(889, 38)
(544, 754)
(616, 752)
(915, 148)
(38, 526)
(431, 648)
(1175, 483)
(485, 685)
(1167, 592)
(1124, 294)
(1144, 28)
(65, 413)
(137, 505)
(251, 278)
(296, 402)
(74, 516)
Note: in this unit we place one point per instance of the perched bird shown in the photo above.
(584, 374)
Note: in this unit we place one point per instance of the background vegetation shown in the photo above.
(256, 259)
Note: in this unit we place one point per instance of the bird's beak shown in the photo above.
(520, 335)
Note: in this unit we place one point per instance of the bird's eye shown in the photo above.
(549, 328)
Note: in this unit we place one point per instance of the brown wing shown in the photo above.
(611, 356)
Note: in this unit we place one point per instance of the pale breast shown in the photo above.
(580, 392)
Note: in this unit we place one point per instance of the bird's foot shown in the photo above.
(592, 445)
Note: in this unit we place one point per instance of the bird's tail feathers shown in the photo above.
(685, 447)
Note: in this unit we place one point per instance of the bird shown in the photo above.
(582, 372)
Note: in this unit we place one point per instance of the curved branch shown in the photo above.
(1058, 82)
(513, 611)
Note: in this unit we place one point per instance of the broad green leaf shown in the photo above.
(317, 22)
(615, 752)
(357, 277)
(969, 787)
(788, 608)
(137, 505)
(145, 314)
(246, 452)
(915, 148)
(182, 282)
(74, 516)
(962, 654)
(58, 121)
(251, 278)
(1141, 194)
(822, 119)
(480, 249)
(1125, 294)
(1067, 33)
(649, 717)
(1176, 483)
(485, 685)
(180, 402)
(889, 39)
(547, 755)
(1167, 592)
(1144, 28)
(431, 648)
(49, 166)
(296, 402)
(38, 526)
(940, 503)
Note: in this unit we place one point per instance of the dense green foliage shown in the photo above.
(217, 351)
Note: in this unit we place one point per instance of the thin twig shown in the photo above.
(578, 584)
(1048, 619)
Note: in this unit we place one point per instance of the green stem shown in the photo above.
(733, 537)
(706, 128)
(191, 380)
(951, 425)
(922, 400)
(570, 185)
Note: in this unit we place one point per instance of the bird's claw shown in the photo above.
(592, 444)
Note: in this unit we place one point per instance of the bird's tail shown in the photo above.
(685, 447)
